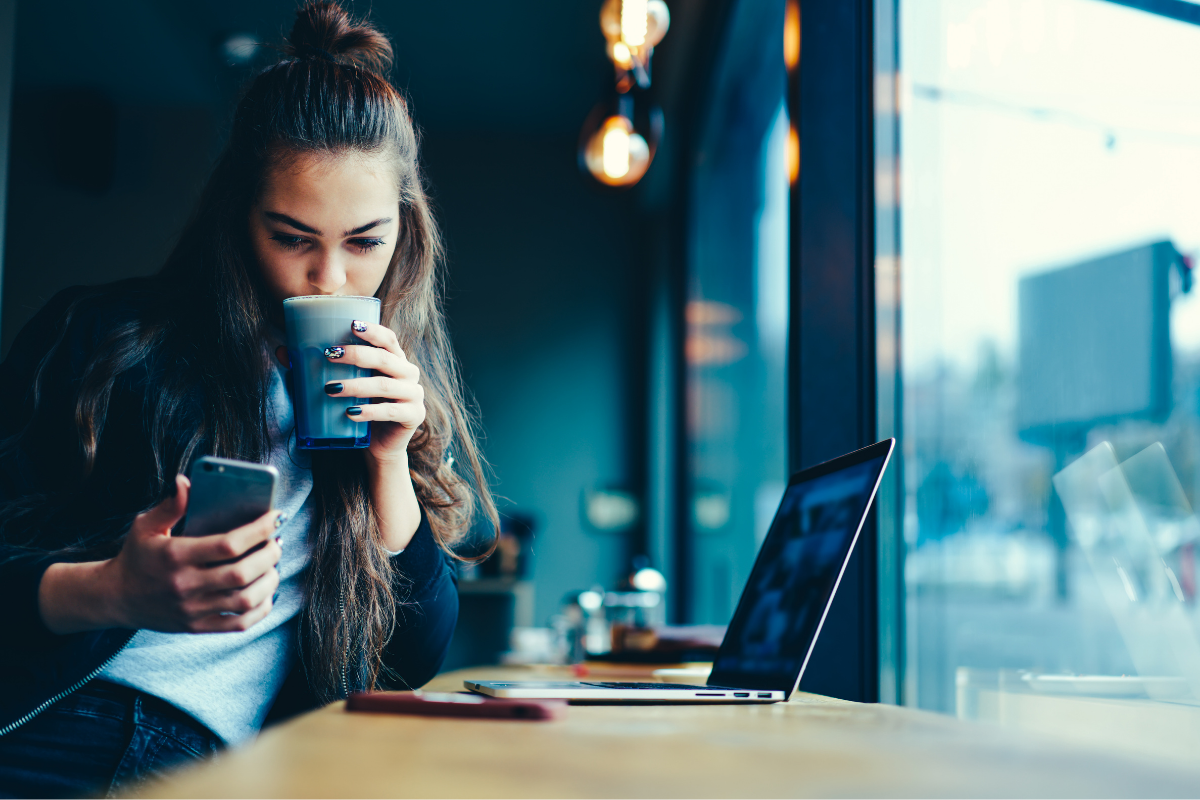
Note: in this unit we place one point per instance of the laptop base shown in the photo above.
(617, 693)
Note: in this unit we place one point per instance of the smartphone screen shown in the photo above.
(227, 494)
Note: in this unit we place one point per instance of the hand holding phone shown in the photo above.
(219, 575)
(175, 584)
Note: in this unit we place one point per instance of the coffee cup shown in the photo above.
(314, 323)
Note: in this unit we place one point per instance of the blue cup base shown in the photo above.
(344, 443)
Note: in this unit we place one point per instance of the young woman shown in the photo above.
(126, 649)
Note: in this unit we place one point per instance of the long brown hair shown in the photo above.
(328, 95)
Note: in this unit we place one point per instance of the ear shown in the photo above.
(281, 354)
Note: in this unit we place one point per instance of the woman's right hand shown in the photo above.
(175, 584)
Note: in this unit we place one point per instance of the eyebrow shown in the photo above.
(286, 220)
(300, 226)
(368, 226)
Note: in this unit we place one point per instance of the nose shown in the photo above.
(327, 272)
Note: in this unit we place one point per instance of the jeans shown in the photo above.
(102, 739)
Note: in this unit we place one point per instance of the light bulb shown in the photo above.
(633, 28)
(634, 22)
(239, 48)
(615, 154)
(610, 20)
(657, 21)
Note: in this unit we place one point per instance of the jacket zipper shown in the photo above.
(12, 726)
(346, 649)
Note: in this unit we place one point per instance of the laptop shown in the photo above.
(783, 606)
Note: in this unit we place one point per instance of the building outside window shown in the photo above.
(1039, 344)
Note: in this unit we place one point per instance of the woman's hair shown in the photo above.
(327, 95)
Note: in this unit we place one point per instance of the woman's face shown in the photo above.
(326, 224)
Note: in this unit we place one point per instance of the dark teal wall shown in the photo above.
(544, 307)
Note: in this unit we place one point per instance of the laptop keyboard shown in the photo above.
(619, 685)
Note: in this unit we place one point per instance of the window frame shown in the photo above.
(832, 402)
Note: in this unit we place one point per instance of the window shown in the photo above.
(1048, 212)
(737, 314)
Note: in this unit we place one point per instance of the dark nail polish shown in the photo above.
(335, 352)
(279, 520)
(333, 388)
(275, 598)
(354, 411)
(359, 326)
(279, 541)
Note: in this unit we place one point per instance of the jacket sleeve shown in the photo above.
(427, 611)
(49, 511)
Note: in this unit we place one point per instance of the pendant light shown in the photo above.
(612, 149)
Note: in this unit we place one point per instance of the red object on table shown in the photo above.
(455, 704)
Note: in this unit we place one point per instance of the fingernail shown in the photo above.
(333, 388)
(354, 411)
(279, 520)
(279, 541)
(335, 352)
(275, 598)
(359, 326)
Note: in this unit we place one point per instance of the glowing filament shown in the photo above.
(634, 21)
(616, 152)
(621, 55)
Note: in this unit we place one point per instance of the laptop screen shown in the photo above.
(797, 570)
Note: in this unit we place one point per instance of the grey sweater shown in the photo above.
(228, 681)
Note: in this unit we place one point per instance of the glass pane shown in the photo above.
(737, 313)
(1050, 159)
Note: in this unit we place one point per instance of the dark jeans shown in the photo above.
(101, 739)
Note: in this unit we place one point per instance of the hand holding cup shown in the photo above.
(397, 406)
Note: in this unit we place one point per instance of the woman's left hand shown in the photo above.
(397, 406)
(396, 410)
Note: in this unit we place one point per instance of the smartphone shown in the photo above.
(455, 704)
(226, 494)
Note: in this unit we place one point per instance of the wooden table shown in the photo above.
(809, 747)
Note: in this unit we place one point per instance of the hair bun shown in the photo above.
(326, 31)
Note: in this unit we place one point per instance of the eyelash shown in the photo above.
(288, 242)
(296, 242)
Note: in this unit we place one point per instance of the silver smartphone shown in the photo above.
(227, 494)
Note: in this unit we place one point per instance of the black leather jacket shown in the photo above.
(47, 504)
